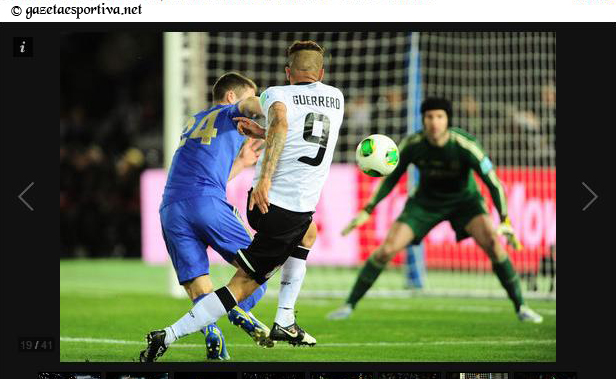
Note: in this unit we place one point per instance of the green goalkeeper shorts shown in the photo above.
(422, 217)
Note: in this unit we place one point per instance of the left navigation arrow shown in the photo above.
(20, 197)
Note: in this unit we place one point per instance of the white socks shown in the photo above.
(169, 336)
(291, 279)
(205, 312)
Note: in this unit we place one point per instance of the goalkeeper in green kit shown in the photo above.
(445, 158)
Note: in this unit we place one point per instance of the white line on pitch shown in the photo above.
(461, 308)
(350, 344)
(446, 308)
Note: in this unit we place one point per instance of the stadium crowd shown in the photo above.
(110, 131)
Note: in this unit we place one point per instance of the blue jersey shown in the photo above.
(202, 163)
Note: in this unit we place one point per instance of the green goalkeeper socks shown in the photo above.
(366, 278)
(510, 280)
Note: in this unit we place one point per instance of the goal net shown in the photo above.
(502, 86)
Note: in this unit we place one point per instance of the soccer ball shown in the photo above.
(377, 155)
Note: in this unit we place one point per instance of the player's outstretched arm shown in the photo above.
(274, 143)
(248, 155)
(250, 107)
(484, 168)
(384, 188)
(361, 218)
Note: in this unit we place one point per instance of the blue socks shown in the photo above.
(252, 300)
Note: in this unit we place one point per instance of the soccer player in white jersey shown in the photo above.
(302, 124)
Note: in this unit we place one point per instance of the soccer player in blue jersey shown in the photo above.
(195, 213)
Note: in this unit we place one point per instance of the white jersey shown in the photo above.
(314, 114)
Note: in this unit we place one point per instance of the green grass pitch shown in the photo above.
(107, 307)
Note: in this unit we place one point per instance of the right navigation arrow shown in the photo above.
(595, 197)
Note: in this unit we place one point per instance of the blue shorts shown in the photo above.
(190, 226)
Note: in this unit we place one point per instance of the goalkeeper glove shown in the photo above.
(358, 220)
(506, 230)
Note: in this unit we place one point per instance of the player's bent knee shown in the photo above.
(390, 250)
(500, 253)
(198, 286)
(399, 236)
(382, 254)
(490, 245)
(493, 241)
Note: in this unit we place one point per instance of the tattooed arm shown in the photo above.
(274, 143)
(250, 107)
